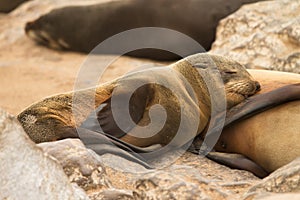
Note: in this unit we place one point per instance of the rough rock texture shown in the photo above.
(25, 171)
(285, 179)
(190, 177)
(273, 196)
(262, 35)
(83, 166)
(113, 194)
(112, 177)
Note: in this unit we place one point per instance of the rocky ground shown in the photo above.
(29, 72)
(264, 35)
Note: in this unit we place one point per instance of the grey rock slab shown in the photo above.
(25, 171)
(284, 180)
(83, 166)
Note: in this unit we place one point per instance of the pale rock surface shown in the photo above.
(274, 196)
(112, 177)
(262, 35)
(190, 177)
(25, 171)
(285, 179)
(83, 166)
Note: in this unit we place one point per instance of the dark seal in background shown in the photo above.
(8, 5)
(82, 28)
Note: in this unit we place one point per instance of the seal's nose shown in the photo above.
(257, 85)
(29, 26)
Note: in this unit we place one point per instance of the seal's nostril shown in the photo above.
(257, 85)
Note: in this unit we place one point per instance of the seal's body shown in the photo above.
(270, 138)
(82, 28)
(52, 118)
(8, 5)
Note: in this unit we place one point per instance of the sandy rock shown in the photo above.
(285, 179)
(83, 166)
(190, 177)
(25, 171)
(112, 194)
(262, 35)
(171, 185)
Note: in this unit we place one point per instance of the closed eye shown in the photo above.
(200, 66)
(230, 72)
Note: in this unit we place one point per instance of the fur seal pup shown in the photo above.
(52, 118)
(82, 28)
(9, 5)
(266, 127)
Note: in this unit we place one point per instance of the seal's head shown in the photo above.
(47, 30)
(49, 119)
(237, 82)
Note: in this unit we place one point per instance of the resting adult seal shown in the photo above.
(266, 127)
(82, 28)
(52, 118)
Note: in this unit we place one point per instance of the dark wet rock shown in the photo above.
(25, 171)
(262, 35)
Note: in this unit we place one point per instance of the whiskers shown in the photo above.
(245, 88)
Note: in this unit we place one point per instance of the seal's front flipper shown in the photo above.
(137, 104)
(102, 144)
(237, 161)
